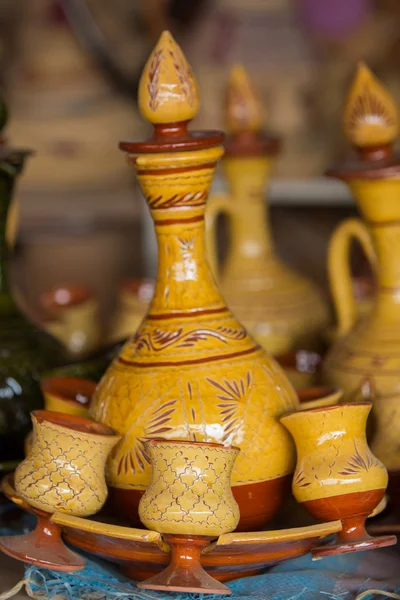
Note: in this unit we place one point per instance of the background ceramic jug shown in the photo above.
(281, 309)
(191, 371)
(368, 350)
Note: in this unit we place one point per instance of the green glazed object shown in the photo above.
(25, 350)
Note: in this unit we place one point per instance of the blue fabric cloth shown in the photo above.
(335, 578)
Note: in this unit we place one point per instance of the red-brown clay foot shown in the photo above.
(353, 538)
(42, 547)
(185, 573)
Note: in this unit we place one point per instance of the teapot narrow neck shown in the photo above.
(182, 263)
(379, 202)
(252, 242)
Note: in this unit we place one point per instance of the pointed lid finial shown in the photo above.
(244, 110)
(370, 118)
(169, 99)
(168, 91)
(244, 118)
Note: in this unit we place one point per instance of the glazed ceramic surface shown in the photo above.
(25, 350)
(234, 555)
(190, 490)
(337, 476)
(69, 395)
(133, 303)
(192, 371)
(368, 350)
(65, 468)
(333, 457)
(280, 308)
(73, 318)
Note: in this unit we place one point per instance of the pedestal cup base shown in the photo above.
(42, 547)
(368, 543)
(185, 573)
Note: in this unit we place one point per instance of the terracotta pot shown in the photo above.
(65, 469)
(69, 395)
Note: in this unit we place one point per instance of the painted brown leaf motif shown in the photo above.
(300, 479)
(185, 75)
(370, 117)
(358, 463)
(158, 425)
(154, 73)
(187, 247)
(159, 339)
(368, 107)
(233, 395)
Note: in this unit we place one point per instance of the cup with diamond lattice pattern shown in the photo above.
(63, 472)
(189, 501)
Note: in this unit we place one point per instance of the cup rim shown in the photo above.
(325, 408)
(61, 387)
(74, 423)
(158, 440)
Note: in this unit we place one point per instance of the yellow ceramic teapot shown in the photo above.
(280, 308)
(367, 352)
(191, 372)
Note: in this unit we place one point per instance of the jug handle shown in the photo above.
(339, 269)
(217, 205)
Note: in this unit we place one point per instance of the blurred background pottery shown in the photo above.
(191, 371)
(318, 397)
(26, 351)
(337, 476)
(64, 472)
(364, 292)
(68, 395)
(368, 350)
(280, 308)
(133, 302)
(189, 499)
(72, 316)
(301, 367)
